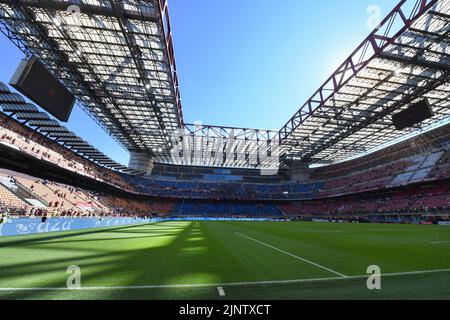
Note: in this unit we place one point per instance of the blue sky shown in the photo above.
(249, 63)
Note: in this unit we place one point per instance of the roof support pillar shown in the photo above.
(141, 161)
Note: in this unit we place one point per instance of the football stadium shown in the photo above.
(348, 198)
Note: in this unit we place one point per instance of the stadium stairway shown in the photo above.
(10, 198)
(22, 192)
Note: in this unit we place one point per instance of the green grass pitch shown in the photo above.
(249, 260)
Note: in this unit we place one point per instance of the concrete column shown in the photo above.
(299, 171)
(141, 161)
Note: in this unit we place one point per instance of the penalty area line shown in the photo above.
(230, 284)
(294, 256)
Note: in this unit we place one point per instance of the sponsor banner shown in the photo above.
(219, 219)
(23, 226)
(444, 223)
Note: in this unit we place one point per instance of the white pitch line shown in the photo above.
(221, 291)
(439, 242)
(231, 284)
(294, 256)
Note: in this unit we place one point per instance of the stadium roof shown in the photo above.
(117, 58)
(204, 145)
(15, 106)
(404, 60)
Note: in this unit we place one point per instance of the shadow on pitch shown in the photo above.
(38, 238)
(177, 261)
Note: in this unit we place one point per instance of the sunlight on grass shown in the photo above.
(195, 239)
(194, 278)
(194, 250)
(208, 253)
